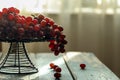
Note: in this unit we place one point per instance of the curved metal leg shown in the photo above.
(17, 60)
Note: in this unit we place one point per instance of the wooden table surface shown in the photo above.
(95, 70)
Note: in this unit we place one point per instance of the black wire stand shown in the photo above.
(17, 60)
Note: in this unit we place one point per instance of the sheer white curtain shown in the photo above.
(90, 25)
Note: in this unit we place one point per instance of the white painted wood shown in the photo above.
(13, 77)
(95, 69)
(45, 73)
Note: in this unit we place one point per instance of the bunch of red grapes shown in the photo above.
(16, 27)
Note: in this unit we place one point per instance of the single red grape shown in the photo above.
(51, 22)
(47, 20)
(30, 28)
(82, 66)
(64, 41)
(60, 28)
(54, 26)
(19, 19)
(43, 23)
(11, 16)
(4, 10)
(62, 50)
(51, 65)
(62, 36)
(28, 19)
(17, 11)
(51, 45)
(23, 20)
(11, 9)
(41, 17)
(21, 30)
(52, 49)
(52, 41)
(58, 69)
(57, 75)
(36, 28)
(55, 66)
(35, 21)
(56, 52)
(0, 15)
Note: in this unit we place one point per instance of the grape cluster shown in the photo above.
(57, 70)
(16, 27)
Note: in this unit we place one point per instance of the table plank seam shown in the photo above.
(71, 73)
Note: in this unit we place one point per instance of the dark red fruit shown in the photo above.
(82, 66)
(35, 21)
(36, 28)
(21, 30)
(51, 45)
(11, 16)
(58, 69)
(46, 19)
(4, 10)
(41, 17)
(43, 23)
(56, 52)
(52, 41)
(62, 50)
(57, 75)
(29, 19)
(60, 28)
(11, 9)
(30, 28)
(0, 15)
(64, 41)
(55, 66)
(51, 22)
(62, 36)
(17, 11)
(54, 26)
(51, 65)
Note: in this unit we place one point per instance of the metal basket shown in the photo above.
(17, 60)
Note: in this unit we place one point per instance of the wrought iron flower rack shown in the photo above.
(17, 60)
